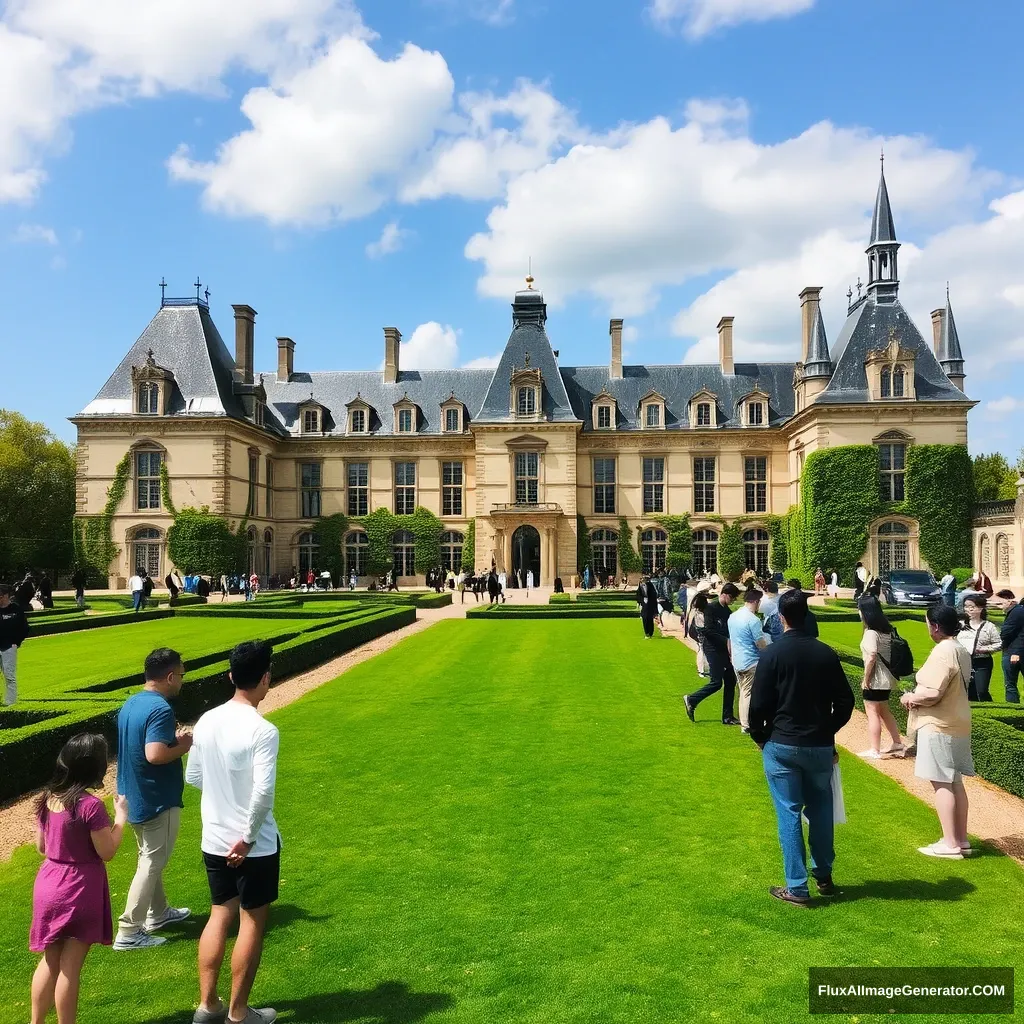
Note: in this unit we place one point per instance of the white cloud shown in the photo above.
(432, 346)
(483, 362)
(28, 233)
(698, 18)
(391, 240)
(492, 12)
(1005, 406)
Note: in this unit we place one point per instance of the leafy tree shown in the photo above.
(994, 478)
(37, 498)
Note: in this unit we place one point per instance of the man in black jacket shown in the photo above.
(13, 630)
(800, 700)
(810, 626)
(716, 649)
(1012, 635)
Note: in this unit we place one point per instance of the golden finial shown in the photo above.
(529, 273)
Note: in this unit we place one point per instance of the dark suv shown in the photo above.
(915, 588)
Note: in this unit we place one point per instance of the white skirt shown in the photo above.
(941, 757)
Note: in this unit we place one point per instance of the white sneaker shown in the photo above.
(253, 1016)
(940, 850)
(140, 940)
(870, 755)
(172, 915)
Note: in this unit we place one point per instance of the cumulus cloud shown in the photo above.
(432, 346)
(483, 362)
(698, 18)
(1005, 406)
(392, 239)
(29, 233)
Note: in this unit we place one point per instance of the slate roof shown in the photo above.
(819, 362)
(950, 357)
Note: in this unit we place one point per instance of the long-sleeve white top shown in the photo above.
(983, 640)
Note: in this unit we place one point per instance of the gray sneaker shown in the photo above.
(172, 915)
(264, 1016)
(140, 940)
(202, 1016)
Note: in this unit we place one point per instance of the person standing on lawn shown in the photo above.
(149, 774)
(234, 762)
(13, 630)
(1012, 640)
(78, 580)
(647, 600)
(716, 650)
(135, 586)
(878, 682)
(980, 639)
(941, 716)
(746, 641)
(800, 700)
(860, 579)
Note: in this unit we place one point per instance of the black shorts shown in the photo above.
(254, 882)
(876, 695)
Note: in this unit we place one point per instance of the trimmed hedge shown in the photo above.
(571, 611)
(76, 623)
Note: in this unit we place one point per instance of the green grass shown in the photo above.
(542, 838)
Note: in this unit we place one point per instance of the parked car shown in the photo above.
(915, 588)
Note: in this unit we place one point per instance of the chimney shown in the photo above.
(285, 359)
(938, 318)
(810, 300)
(615, 330)
(725, 359)
(245, 328)
(392, 344)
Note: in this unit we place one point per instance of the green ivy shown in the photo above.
(731, 561)
(584, 549)
(382, 524)
(940, 496)
(329, 532)
(469, 547)
(680, 541)
(201, 541)
(165, 490)
(94, 544)
(629, 560)
(778, 550)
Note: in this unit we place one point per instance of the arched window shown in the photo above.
(886, 382)
(268, 553)
(451, 550)
(605, 545)
(357, 547)
(404, 551)
(149, 398)
(251, 544)
(986, 555)
(705, 552)
(526, 401)
(755, 551)
(890, 528)
(898, 378)
(653, 549)
(1002, 557)
(147, 551)
(309, 554)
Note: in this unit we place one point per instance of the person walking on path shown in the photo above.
(800, 700)
(716, 650)
(860, 579)
(78, 581)
(1012, 639)
(13, 631)
(980, 639)
(833, 584)
(941, 716)
(71, 896)
(819, 581)
(878, 682)
(223, 586)
(694, 629)
(746, 641)
(647, 600)
(138, 596)
(150, 747)
(234, 762)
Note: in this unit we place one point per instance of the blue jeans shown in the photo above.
(800, 780)
(138, 597)
(1011, 673)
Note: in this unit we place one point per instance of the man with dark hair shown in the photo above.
(150, 747)
(746, 641)
(13, 630)
(1012, 635)
(234, 763)
(716, 650)
(800, 700)
(810, 624)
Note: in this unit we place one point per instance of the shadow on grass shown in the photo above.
(391, 1002)
(282, 916)
(948, 890)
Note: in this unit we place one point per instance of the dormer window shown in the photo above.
(311, 421)
(152, 387)
(357, 421)
(526, 402)
(149, 398)
(525, 393)
(703, 414)
(406, 416)
(755, 414)
(890, 370)
(652, 417)
(257, 414)
(703, 409)
(405, 421)
(652, 411)
(603, 410)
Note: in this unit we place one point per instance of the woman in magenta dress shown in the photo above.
(71, 899)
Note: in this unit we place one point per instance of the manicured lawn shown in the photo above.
(515, 822)
(50, 665)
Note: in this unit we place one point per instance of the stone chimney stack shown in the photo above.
(810, 301)
(392, 344)
(285, 359)
(725, 359)
(938, 316)
(245, 330)
(615, 331)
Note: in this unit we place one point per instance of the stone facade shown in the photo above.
(998, 540)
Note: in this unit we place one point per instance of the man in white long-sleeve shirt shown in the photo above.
(234, 762)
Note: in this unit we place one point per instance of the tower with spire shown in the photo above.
(948, 351)
(883, 276)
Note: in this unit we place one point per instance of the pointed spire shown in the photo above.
(882, 227)
(951, 357)
(819, 361)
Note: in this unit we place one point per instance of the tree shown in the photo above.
(994, 478)
(37, 498)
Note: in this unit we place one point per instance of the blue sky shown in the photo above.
(343, 168)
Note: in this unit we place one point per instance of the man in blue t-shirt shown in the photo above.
(149, 774)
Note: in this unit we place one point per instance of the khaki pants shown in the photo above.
(9, 670)
(146, 899)
(745, 682)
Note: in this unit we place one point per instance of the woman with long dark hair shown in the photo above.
(878, 682)
(71, 898)
(980, 639)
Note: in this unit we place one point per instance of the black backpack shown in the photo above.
(901, 657)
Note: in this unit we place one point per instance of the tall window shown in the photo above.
(254, 481)
(886, 382)
(527, 478)
(654, 485)
(704, 485)
(358, 421)
(526, 401)
(893, 459)
(705, 552)
(147, 551)
(604, 486)
(309, 554)
(310, 476)
(451, 550)
(451, 489)
(258, 413)
(149, 398)
(147, 479)
(704, 414)
(356, 548)
(404, 551)
(311, 421)
(604, 416)
(605, 546)
(252, 561)
(755, 475)
(358, 489)
(755, 414)
(451, 421)
(755, 551)
(405, 491)
(405, 421)
(893, 547)
(268, 553)
(270, 487)
(653, 415)
(653, 549)
(898, 381)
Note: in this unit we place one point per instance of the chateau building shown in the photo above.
(523, 449)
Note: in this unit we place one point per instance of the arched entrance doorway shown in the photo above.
(526, 554)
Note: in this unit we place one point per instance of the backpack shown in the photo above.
(901, 657)
(772, 625)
